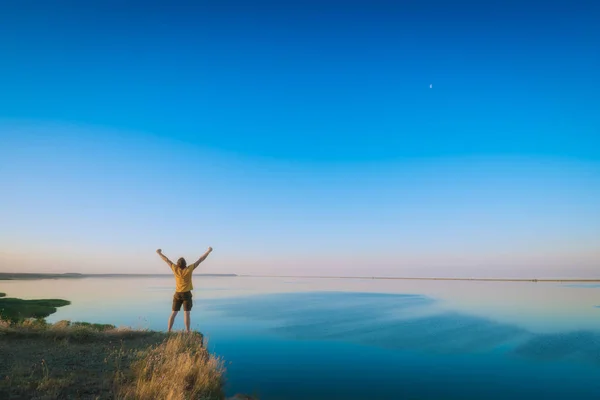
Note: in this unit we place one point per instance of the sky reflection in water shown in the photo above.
(323, 339)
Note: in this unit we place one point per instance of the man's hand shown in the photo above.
(194, 265)
(165, 259)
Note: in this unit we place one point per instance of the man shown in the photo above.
(183, 286)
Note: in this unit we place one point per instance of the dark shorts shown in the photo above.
(184, 298)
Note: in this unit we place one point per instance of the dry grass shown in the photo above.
(69, 331)
(178, 368)
(76, 360)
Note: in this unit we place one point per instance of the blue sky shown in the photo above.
(302, 137)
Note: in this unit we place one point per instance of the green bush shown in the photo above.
(18, 309)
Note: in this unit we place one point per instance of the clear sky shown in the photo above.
(408, 138)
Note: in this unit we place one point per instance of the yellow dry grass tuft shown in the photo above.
(178, 368)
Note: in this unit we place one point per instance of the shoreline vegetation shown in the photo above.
(15, 310)
(68, 360)
(31, 276)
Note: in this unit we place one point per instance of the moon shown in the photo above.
(430, 86)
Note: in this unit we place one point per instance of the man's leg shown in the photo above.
(172, 319)
(186, 319)
(188, 303)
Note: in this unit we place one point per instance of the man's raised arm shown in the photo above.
(165, 259)
(194, 265)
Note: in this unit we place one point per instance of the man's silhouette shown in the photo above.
(183, 286)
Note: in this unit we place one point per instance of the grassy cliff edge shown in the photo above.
(90, 361)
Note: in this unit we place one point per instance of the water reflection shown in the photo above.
(536, 307)
(295, 339)
(583, 285)
(404, 322)
(577, 346)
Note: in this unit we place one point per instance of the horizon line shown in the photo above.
(76, 274)
(429, 278)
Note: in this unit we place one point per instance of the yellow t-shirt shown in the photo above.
(183, 278)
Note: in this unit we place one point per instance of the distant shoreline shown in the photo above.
(32, 276)
(7, 276)
(428, 279)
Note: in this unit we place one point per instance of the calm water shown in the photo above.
(368, 339)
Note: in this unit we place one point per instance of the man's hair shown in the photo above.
(181, 263)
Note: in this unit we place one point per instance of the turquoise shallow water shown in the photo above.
(327, 339)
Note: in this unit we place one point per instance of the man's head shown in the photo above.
(181, 263)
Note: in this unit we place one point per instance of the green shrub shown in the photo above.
(18, 309)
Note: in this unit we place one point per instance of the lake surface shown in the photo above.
(352, 339)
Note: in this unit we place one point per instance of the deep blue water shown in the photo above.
(303, 339)
(347, 345)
